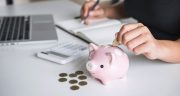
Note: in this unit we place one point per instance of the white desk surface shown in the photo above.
(23, 74)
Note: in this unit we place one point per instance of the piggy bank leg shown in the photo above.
(105, 82)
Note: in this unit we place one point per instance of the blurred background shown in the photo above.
(17, 2)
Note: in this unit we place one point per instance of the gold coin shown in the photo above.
(115, 43)
(72, 75)
(63, 74)
(79, 72)
(73, 81)
(82, 83)
(82, 77)
(74, 87)
(62, 79)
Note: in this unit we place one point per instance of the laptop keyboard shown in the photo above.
(15, 28)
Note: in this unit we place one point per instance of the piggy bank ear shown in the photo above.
(92, 47)
(111, 57)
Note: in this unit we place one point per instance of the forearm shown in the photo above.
(115, 11)
(169, 51)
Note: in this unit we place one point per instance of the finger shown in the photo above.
(97, 7)
(82, 13)
(145, 50)
(86, 7)
(132, 44)
(127, 27)
(141, 49)
(148, 55)
(118, 37)
(97, 12)
(116, 34)
(129, 35)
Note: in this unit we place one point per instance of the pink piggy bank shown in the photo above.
(107, 63)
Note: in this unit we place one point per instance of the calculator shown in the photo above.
(63, 53)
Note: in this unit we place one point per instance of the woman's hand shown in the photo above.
(95, 14)
(139, 40)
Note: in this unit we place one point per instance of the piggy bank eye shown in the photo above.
(102, 66)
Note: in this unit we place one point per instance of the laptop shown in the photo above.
(27, 29)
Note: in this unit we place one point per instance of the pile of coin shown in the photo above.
(76, 79)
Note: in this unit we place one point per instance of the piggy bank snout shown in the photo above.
(90, 66)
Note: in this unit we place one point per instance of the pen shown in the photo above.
(91, 9)
(77, 17)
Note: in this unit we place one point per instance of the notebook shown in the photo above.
(99, 32)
